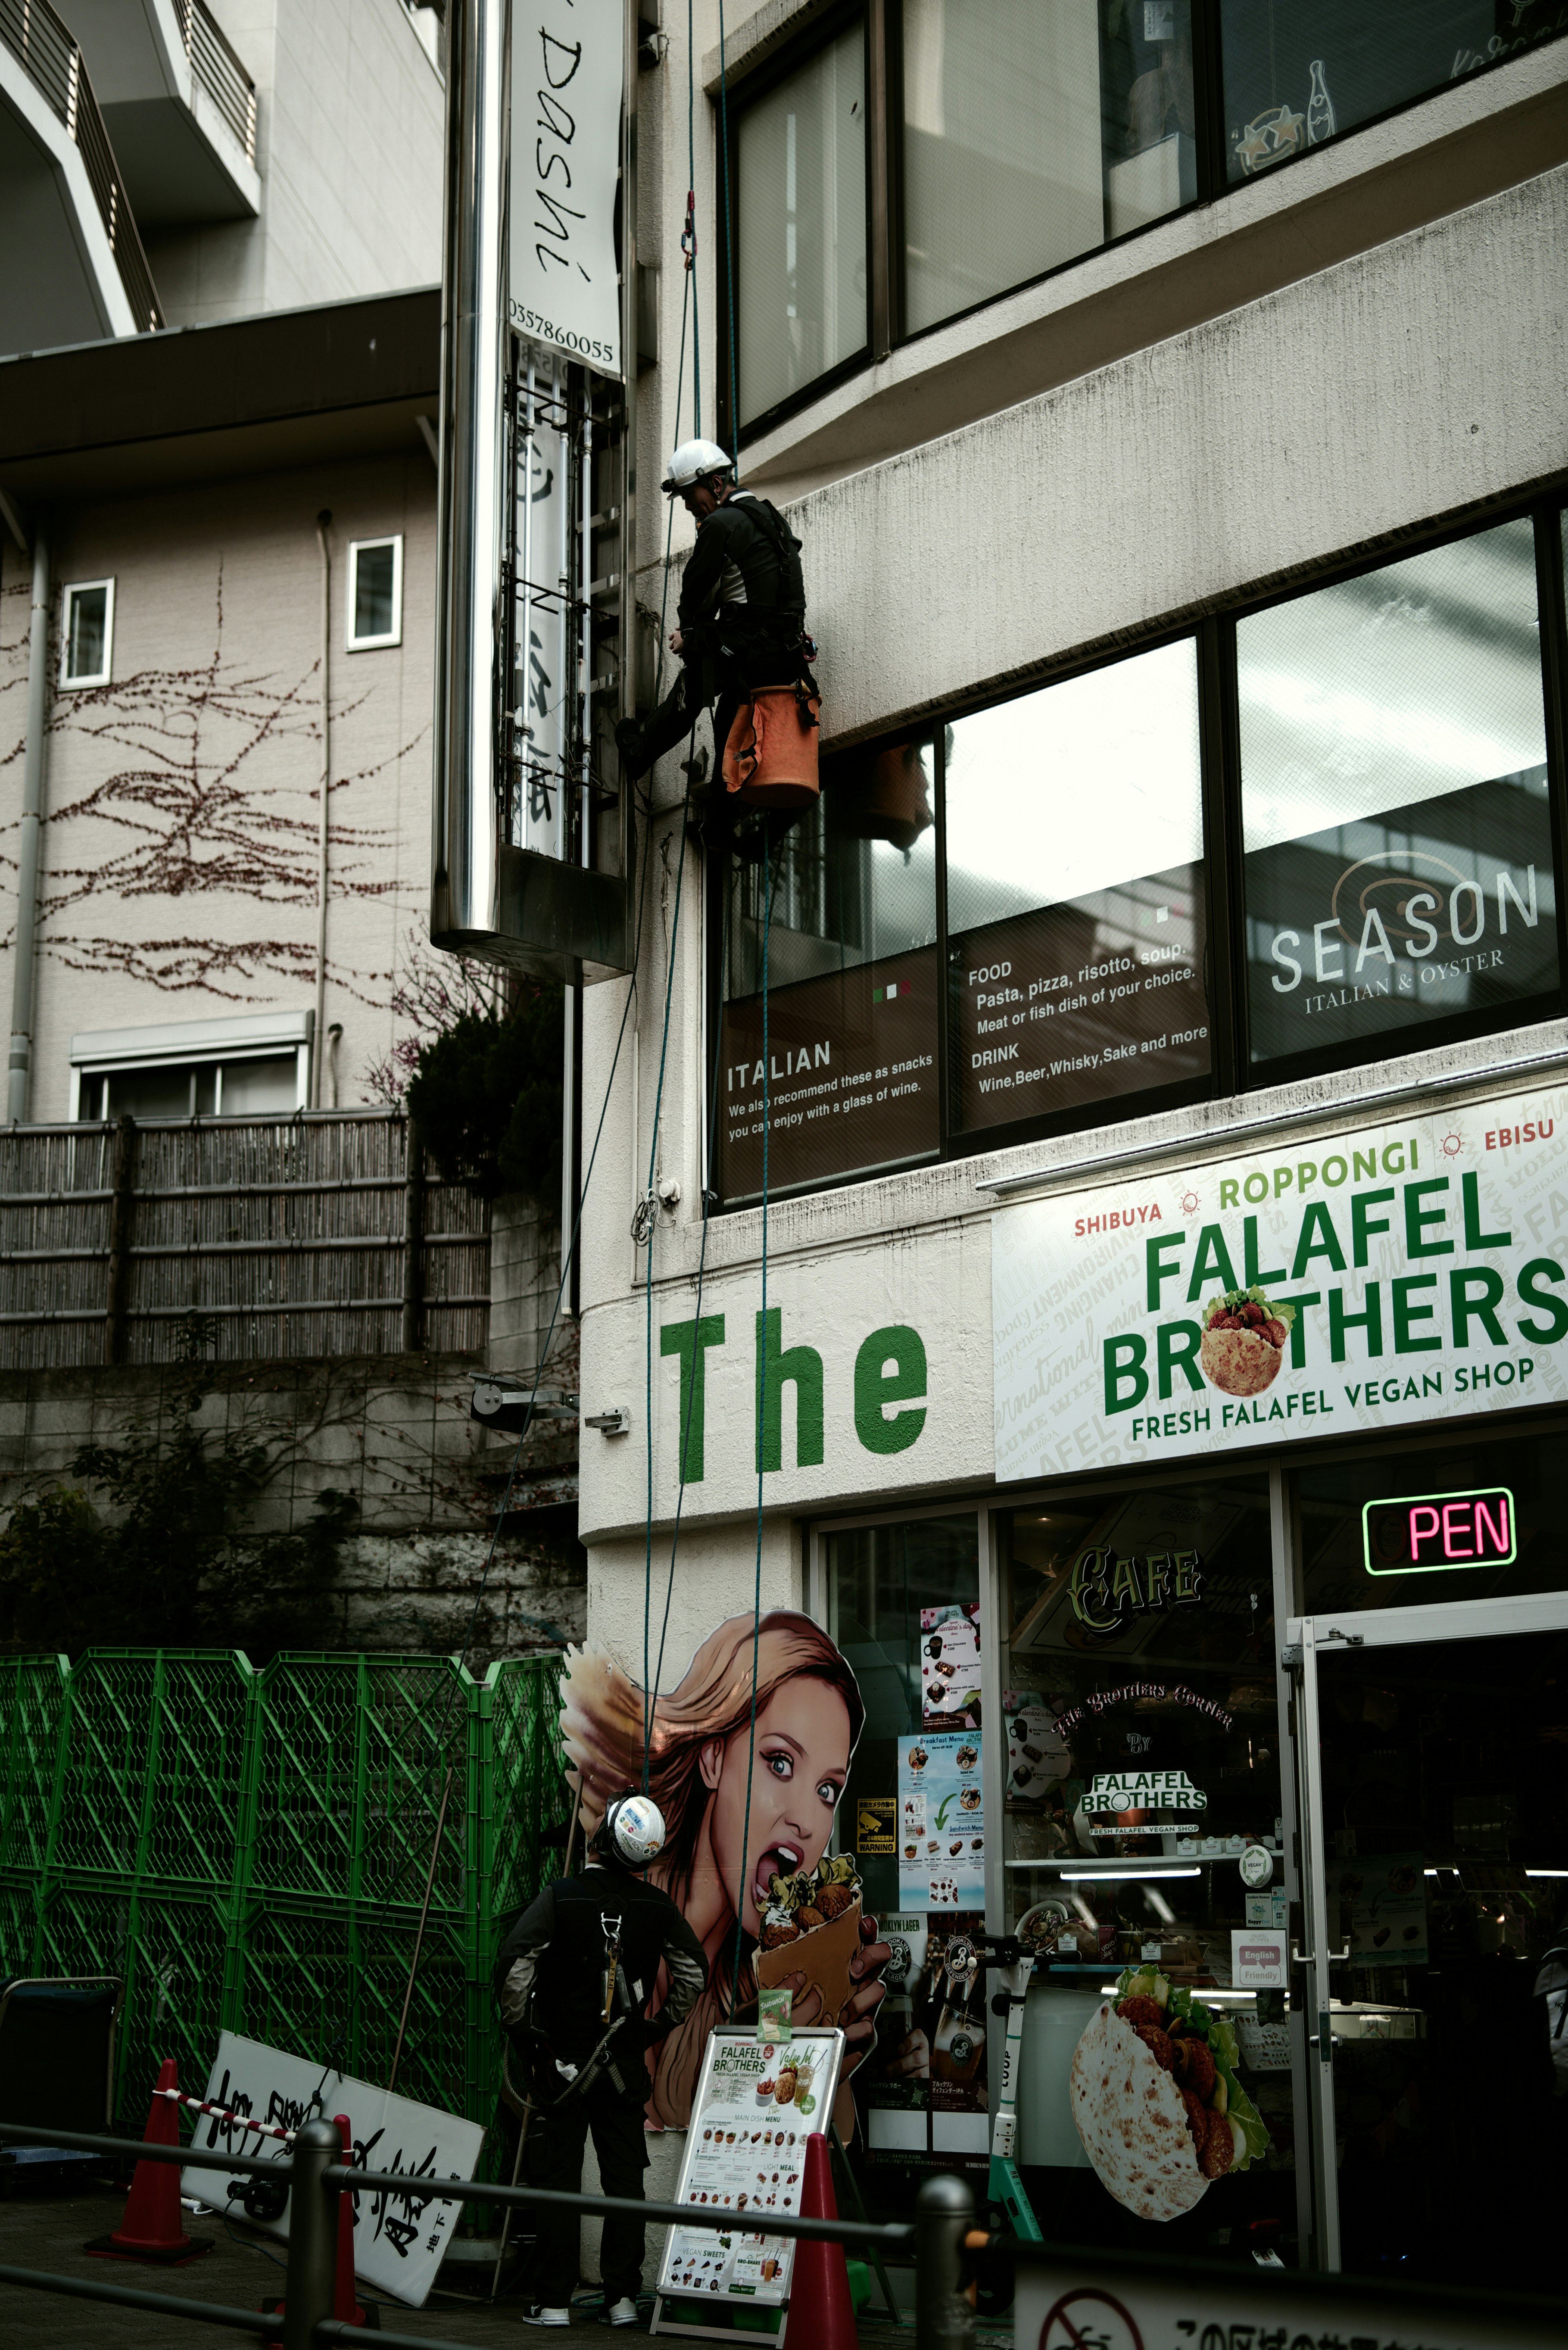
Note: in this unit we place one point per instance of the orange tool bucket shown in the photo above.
(770, 759)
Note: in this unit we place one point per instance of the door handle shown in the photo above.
(1350, 1640)
(1308, 1958)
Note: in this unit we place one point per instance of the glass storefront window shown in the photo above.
(1075, 901)
(847, 899)
(1030, 135)
(800, 190)
(1295, 76)
(1398, 835)
(1143, 1763)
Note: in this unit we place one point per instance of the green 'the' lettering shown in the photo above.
(690, 1341)
(890, 1389)
(801, 1367)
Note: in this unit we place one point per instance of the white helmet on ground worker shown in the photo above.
(692, 462)
(632, 1829)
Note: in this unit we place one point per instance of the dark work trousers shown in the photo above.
(701, 680)
(621, 2146)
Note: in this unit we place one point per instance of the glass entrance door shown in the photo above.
(1433, 1750)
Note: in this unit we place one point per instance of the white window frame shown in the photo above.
(394, 636)
(100, 1052)
(74, 588)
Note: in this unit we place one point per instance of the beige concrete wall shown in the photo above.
(179, 852)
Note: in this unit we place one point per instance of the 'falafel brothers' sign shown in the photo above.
(1364, 1280)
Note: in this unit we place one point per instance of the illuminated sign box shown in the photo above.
(1428, 1533)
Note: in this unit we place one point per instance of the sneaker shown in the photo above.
(620, 2312)
(538, 2314)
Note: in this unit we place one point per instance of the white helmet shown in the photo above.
(691, 462)
(633, 1828)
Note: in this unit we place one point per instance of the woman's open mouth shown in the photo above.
(778, 1861)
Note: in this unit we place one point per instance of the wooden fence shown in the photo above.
(319, 1234)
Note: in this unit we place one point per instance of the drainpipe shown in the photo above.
(21, 1076)
(318, 1049)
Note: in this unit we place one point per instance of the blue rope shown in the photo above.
(692, 265)
(729, 243)
(762, 1389)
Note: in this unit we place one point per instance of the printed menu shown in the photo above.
(757, 2103)
(942, 1821)
(950, 1666)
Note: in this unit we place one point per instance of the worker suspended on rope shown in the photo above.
(574, 1980)
(741, 610)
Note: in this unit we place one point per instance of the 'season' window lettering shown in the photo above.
(1398, 881)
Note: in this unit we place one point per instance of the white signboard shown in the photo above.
(1378, 1278)
(1102, 2305)
(1260, 1959)
(567, 69)
(398, 2241)
(756, 2105)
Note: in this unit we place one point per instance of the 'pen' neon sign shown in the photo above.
(1426, 1533)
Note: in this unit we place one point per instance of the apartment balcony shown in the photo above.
(72, 264)
(180, 107)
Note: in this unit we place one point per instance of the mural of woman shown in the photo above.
(808, 1718)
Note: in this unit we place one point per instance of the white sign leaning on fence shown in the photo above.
(400, 2240)
(567, 76)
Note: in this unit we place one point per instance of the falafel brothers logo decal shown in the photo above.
(1362, 1280)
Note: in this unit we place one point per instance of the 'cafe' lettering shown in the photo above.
(1104, 1588)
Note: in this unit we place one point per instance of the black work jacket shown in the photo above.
(557, 1951)
(744, 572)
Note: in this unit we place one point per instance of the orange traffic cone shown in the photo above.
(820, 2307)
(151, 2229)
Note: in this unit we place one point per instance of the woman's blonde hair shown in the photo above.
(602, 1714)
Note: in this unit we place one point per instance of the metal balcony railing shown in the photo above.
(53, 63)
(220, 72)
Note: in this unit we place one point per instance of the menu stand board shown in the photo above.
(756, 2103)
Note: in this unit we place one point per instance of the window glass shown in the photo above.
(1141, 1717)
(86, 632)
(261, 1087)
(375, 590)
(1398, 863)
(150, 1093)
(851, 927)
(1031, 134)
(1295, 74)
(800, 280)
(1076, 907)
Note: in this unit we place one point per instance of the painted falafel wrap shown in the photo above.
(1244, 1341)
(1156, 2098)
(811, 1927)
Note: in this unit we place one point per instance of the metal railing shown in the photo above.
(944, 2219)
(53, 62)
(325, 1233)
(220, 72)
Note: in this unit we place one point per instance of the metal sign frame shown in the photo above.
(565, 916)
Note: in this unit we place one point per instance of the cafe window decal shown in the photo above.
(1105, 1589)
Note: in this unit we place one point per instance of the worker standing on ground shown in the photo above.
(741, 610)
(574, 1979)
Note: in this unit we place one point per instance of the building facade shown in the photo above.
(1098, 1242)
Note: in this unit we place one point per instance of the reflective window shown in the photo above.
(800, 191)
(1296, 75)
(88, 633)
(375, 593)
(844, 906)
(1075, 900)
(1031, 134)
(1397, 825)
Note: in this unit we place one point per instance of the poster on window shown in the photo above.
(1072, 1003)
(950, 1666)
(1038, 1755)
(567, 69)
(924, 2096)
(747, 1834)
(1430, 912)
(851, 1070)
(1376, 1277)
(399, 2241)
(942, 1821)
(1381, 1906)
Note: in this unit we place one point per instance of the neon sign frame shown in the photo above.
(1439, 1504)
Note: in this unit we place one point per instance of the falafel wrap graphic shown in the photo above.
(1244, 1341)
(1155, 2098)
(812, 1928)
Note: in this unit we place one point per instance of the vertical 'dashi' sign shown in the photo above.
(568, 71)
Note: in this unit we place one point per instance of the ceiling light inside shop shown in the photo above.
(1118, 1876)
(1546, 1872)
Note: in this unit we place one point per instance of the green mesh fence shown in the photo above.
(252, 1851)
